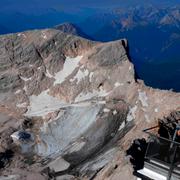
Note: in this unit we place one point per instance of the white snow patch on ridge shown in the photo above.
(146, 118)
(76, 122)
(86, 96)
(122, 125)
(117, 84)
(91, 76)
(106, 110)
(81, 74)
(26, 79)
(77, 146)
(143, 98)
(131, 115)
(114, 112)
(69, 66)
(18, 91)
(25, 88)
(22, 105)
(44, 36)
(48, 74)
(43, 104)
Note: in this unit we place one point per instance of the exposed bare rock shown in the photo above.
(73, 29)
(72, 106)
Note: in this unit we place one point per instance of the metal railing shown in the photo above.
(164, 151)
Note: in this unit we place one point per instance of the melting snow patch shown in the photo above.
(114, 112)
(26, 79)
(144, 109)
(100, 161)
(25, 88)
(82, 96)
(22, 105)
(131, 114)
(77, 146)
(24, 36)
(101, 102)
(105, 110)
(81, 74)
(143, 98)
(91, 76)
(86, 96)
(43, 104)
(48, 74)
(69, 66)
(122, 125)
(117, 84)
(147, 118)
(44, 35)
(18, 91)
(15, 136)
(82, 67)
(59, 165)
(76, 122)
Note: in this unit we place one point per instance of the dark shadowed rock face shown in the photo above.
(5, 158)
(74, 99)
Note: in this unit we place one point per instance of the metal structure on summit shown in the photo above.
(162, 156)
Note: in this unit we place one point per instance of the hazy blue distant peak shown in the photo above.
(64, 4)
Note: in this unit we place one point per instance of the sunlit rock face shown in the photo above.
(76, 99)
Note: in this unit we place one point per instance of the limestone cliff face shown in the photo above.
(72, 105)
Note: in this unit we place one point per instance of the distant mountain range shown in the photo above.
(153, 33)
(154, 39)
(152, 30)
(142, 26)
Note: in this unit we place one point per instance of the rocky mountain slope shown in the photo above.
(70, 107)
(73, 29)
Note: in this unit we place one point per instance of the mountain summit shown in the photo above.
(70, 107)
(73, 29)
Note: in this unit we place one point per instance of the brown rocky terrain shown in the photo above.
(73, 29)
(70, 107)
